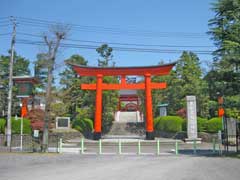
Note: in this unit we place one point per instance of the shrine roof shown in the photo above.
(163, 69)
(25, 79)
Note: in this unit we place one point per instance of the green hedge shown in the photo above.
(2, 126)
(201, 124)
(16, 126)
(214, 124)
(169, 123)
(83, 125)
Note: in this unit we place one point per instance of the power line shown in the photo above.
(122, 44)
(4, 21)
(116, 48)
(47, 22)
(7, 17)
(5, 25)
(4, 34)
(100, 29)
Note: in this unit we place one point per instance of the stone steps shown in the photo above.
(127, 129)
(122, 116)
(128, 117)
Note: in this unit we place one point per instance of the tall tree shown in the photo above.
(20, 68)
(105, 53)
(185, 79)
(53, 46)
(224, 78)
(110, 98)
(225, 28)
(74, 97)
(41, 69)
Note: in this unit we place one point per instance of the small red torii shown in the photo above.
(100, 72)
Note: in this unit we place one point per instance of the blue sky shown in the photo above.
(157, 22)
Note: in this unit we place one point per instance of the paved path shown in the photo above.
(86, 167)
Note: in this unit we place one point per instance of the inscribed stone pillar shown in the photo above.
(191, 117)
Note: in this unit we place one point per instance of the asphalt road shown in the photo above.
(86, 167)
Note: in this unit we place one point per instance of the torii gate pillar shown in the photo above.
(148, 104)
(98, 109)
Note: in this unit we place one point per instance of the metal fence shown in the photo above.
(27, 143)
(231, 135)
(140, 147)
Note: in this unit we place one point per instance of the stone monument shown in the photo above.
(62, 122)
(192, 120)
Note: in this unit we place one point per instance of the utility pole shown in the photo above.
(10, 85)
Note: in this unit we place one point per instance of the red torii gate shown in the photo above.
(100, 72)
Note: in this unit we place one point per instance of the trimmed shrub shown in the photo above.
(2, 126)
(214, 125)
(16, 126)
(169, 123)
(84, 125)
(201, 124)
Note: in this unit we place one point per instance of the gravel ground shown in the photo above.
(85, 167)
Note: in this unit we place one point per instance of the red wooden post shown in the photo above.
(24, 109)
(98, 111)
(123, 79)
(148, 103)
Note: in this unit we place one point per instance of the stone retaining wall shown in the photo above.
(206, 137)
(67, 135)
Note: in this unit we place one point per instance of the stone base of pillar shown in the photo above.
(193, 140)
(150, 136)
(97, 135)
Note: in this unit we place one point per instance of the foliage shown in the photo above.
(84, 125)
(110, 100)
(233, 113)
(169, 123)
(16, 126)
(20, 67)
(110, 97)
(232, 106)
(35, 115)
(158, 96)
(105, 52)
(2, 125)
(81, 103)
(185, 79)
(182, 112)
(74, 97)
(41, 69)
(214, 124)
(224, 28)
(213, 108)
(58, 109)
(201, 124)
(224, 78)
